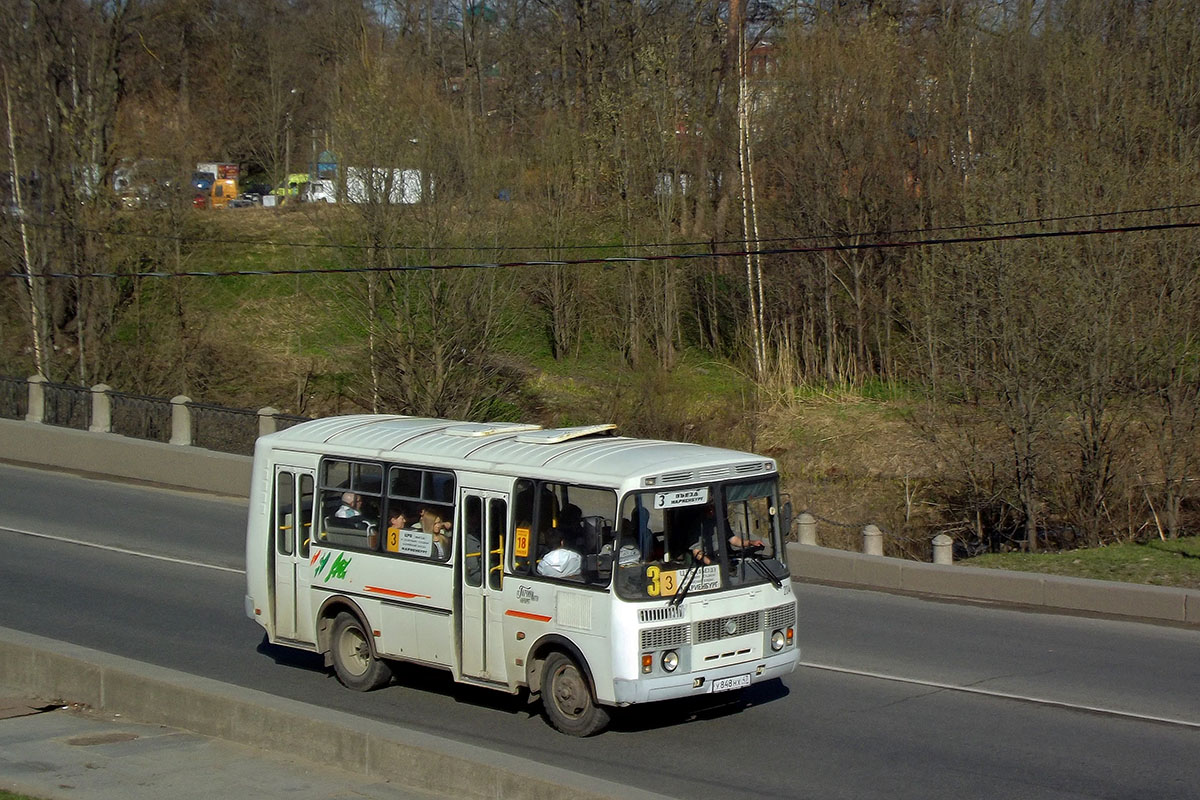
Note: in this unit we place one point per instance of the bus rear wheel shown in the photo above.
(353, 662)
(567, 698)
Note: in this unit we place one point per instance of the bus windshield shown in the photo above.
(699, 539)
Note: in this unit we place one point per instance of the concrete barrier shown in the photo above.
(122, 457)
(56, 671)
(1045, 592)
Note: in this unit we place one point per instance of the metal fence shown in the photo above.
(141, 417)
(67, 406)
(14, 398)
(229, 430)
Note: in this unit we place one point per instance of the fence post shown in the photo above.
(101, 409)
(808, 528)
(37, 399)
(266, 420)
(943, 549)
(872, 541)
(181, 420)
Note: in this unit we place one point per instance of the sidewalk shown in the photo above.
(73, 753)
(141, 731)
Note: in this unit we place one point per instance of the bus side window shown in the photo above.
(305, 517)
(473, 541)
(285, 513)
(524, 548)
(497, 522)
(546, 521)
(350, 503)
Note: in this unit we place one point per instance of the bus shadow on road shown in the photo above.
(420, 678)
(291, 657)
(409, 677)
(668, 713)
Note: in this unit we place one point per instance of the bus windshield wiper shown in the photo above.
(687, 583)
(763, 570)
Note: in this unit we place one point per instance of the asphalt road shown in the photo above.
(898, 697)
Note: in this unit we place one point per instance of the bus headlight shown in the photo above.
(778, 641)
(670, 661)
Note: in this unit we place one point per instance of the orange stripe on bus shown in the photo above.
(527, 615)
(395, 593)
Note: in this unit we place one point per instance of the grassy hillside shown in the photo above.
(850, 456)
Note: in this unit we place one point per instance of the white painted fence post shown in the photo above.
(808, 528)
(872, 541)
(37, 399)
(266, 420)
(101, 409)
(181, 420)
(943, 549)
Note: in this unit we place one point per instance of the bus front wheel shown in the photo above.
(567, 698)
(353, 662)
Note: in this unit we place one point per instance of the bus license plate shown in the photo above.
(727, 684)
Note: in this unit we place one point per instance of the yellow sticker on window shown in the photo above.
(663, 583)
(521, 545)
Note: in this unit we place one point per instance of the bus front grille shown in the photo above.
(711, 630)
(660, 614)
(781, 616)
(659, 638)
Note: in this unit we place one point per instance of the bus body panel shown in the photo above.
(535, 610)
(411, 608)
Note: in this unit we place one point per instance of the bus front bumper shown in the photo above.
(691, 684)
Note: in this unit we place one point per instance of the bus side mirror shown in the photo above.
(787, 519)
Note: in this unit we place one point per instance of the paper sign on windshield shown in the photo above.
(668, 582)
(409, 542)
(683, 497)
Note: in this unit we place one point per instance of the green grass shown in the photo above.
(10, 796)
(1158, 563)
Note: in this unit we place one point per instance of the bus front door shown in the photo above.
(292, 516)
(485, 518)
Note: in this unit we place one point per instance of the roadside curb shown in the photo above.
(146, 693)
(1032, 590)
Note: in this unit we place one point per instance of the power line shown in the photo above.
(182, 239)
(886, 245)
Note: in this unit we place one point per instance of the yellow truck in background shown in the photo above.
(216, 185)
(223, 191)
(291, 188)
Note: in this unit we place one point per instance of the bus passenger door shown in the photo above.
(292, 515)
(485, 518)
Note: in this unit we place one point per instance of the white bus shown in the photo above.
(594, 570)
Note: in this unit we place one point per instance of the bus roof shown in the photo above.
(589, 454)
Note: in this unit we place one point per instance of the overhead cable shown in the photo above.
(867, 246)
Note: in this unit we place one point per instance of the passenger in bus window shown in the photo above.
(740, 537)
(561, 562)
(628, 553)
(400, 518)
(351, 507)
(705, 548)
(436, 526)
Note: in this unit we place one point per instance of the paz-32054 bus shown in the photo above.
(594, 570)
